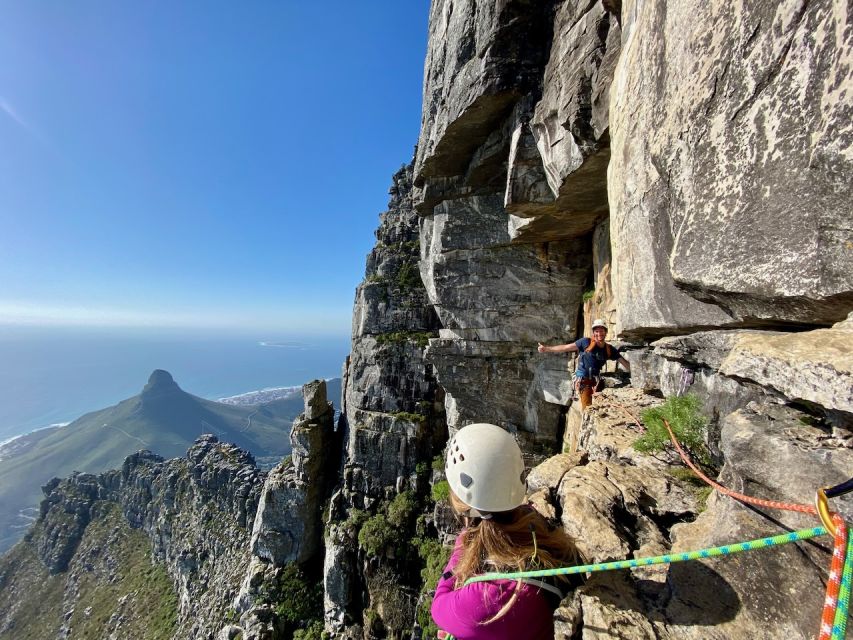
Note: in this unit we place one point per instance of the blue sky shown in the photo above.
(199, 164)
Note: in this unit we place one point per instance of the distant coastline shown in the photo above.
(261, 396)
(249, 398)
(56, 425)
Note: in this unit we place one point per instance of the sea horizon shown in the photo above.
(51, 376)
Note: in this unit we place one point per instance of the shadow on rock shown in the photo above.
(699, 596)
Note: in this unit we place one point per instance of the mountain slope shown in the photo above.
(163, 419)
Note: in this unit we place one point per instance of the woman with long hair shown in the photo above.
(501, 534)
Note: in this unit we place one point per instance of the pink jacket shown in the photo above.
(460, 612)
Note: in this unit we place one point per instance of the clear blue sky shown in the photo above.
(211, 164)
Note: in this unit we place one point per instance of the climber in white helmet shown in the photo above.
(501, 533)
(595, 352)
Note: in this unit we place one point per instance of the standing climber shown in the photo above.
(501, 533)
(594, 353)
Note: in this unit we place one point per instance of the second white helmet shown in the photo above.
(484, 468)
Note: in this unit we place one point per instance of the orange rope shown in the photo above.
(770, 504)
(834, 583)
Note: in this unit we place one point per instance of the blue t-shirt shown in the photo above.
(591, 362)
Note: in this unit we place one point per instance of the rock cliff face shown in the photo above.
(393, 408)
(686, 179)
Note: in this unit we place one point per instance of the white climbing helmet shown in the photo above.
(598, 322)
(484, 468)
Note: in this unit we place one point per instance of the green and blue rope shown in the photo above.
(713, 552)
(839, 627)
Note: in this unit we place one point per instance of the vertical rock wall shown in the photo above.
(737, 210)
(512, 216)
(393, 409)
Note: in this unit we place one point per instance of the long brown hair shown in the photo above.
(516, 540)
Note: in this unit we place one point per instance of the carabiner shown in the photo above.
(822, 505)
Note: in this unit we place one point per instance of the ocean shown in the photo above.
(51, 375)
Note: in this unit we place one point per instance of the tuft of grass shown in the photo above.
(701, 491)
(685, 419)
(588, 295)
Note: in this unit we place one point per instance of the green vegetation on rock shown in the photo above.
(420, 338)
(409, 276)
(298, 600)
(438, 462)
(700, 490)
(435, 557)
(382, 530)
(112, 576)
(687, 422)
(408, 416)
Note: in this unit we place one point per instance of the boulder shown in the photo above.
(814, 366)
(737, 209)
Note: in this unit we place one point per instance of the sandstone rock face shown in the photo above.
(494, 299)
(197, 513)
(512, 188)
(739, 194)
(813, 366)
(481, 57)
(392, 402)
(568, 141)
(770, 453)
(393, 408)
(288, 526)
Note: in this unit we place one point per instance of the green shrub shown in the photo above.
(376, 535)
(438, 462)
(313, 631)
(352, 525)
(401, 508)
(686, 421)
(409, 277)
(435, 557)
(297, 600)
(588, 295)
(408, 416)
(441, 491)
